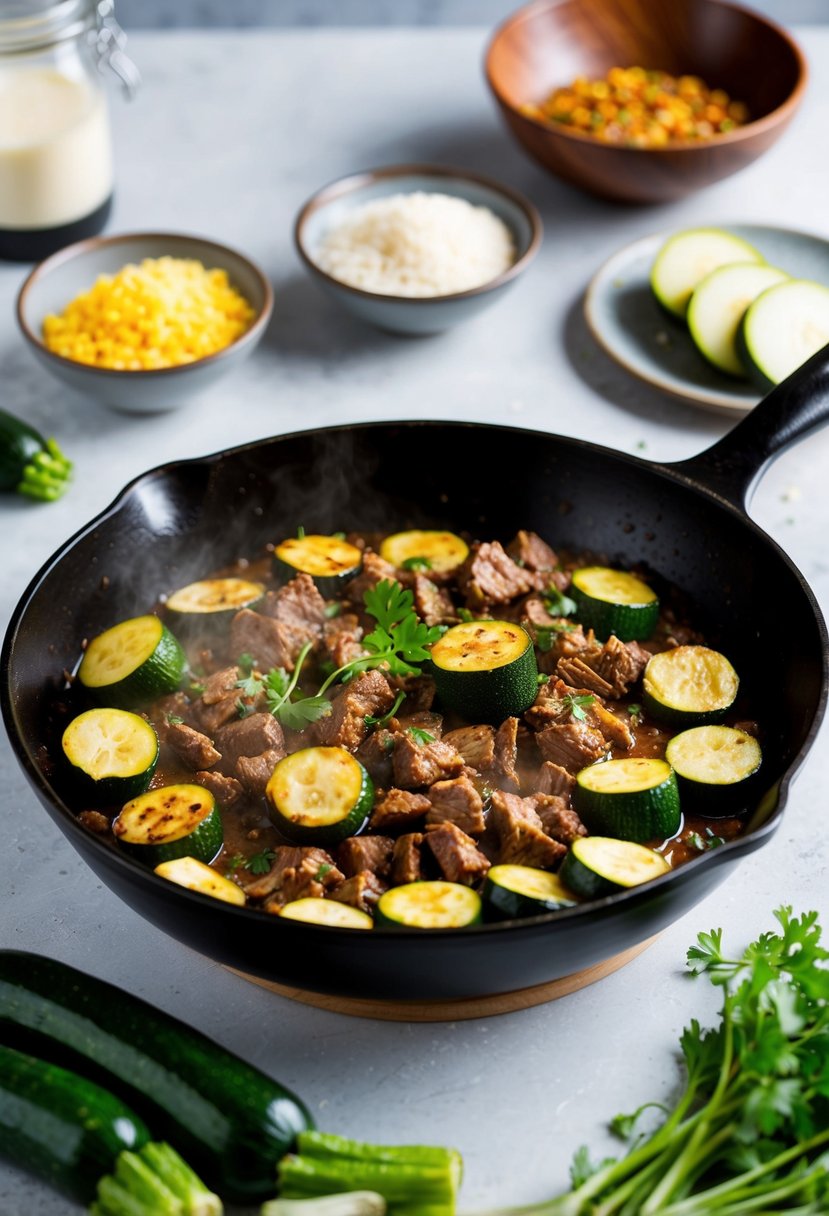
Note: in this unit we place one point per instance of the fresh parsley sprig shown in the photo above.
(575, 702)
(557, 603)
(373, 720)
(278, 688)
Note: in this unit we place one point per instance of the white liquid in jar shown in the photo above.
(55, 149)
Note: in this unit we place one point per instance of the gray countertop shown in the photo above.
(230, 134)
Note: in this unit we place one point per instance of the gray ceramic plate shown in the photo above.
(627, 322)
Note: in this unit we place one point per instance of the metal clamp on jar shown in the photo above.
(55, 142)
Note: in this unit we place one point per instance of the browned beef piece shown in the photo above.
(218, 703)
(368, 695)
(506, 755)
(476, 744)
(610, 670)
(458, 856)
(521, 836)
(421, 719)
(365, 853)
(433, 604)
(375, 569)
(558, 819)
(167, 711)
(298, 604)
(249, 737)
(191, 746)
(226, 790)
(457, 801)
(615, 730)
(490, 576)
(375, 755)
(341, 638)
(419, 690)
(418, 764)
(578, 673)
(254, 772)
(95, 822)
(535, 612)
(564, 642)
(406, 862)
(318, 864)
(529, 550)
(361, 891)
(573, 745)
(396, 810)
(553, 779)
(272, 643)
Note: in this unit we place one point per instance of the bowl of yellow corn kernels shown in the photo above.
(641, 101)
(143, 322)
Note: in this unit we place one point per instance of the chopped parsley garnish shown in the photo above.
(702, 843)
(197, 688)
(575, 703)
(398, 701)
(260, 863)
(246, 663)
(243, 709)
(233, 863)
(546, 635)
(416, 564)
(174, 719)
(557, 603)
(324, 869)
(332, 610)
(635, 712)
(542, 679)
(465, 615)
(419, 735)
(300, 533)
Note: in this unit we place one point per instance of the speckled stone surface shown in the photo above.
(229, 136)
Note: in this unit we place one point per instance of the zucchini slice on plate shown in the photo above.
(717, 307)
(319, 795)
(193, 874)
(687, 258)
(169, 822)
(212, 601)
(613, 601)
(315, 911)
(783, 328)
(714, 766)
(635, 798)
(133, 662)
(598, 865)
(486, 670)
(329, 560)
(512, 891)
(424, 550)
(112, 754)
(429, 905)
(689, 686)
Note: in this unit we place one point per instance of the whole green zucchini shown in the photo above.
(60, 1126)
(30, 464)
(231, 1122)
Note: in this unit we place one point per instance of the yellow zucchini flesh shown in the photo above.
(215, 595)
(133, 662)
(437, 551)
(689, 685)
(196, 876)
(514, 890)
(598, 865)
(429, 905)
(315, 911)
(319, 795)
(112, 753)
(635, 798)
(328, 560)
(714, 766)
(169, 822)
(614, 601)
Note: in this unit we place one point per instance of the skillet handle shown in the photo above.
(792, 410)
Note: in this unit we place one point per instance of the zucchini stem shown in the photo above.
(47, 474)
(155, 1181)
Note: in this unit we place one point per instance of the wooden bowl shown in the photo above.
(549, 43)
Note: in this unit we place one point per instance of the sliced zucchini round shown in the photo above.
(429, 905)
(714, 766)
(688, 257)
(169, 822)
(315, 911)
(424, 550)
(329, 560)
(613, 601)
(132, 663)
(783, 328)
(193, 874)
(689, 686)
(512, 891)
(597, 866)
(635, 798)
(112, 754)
(211, 602)
(319, 795)
(717, 307)
(485, 670)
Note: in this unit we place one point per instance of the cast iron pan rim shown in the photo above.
(595, 909)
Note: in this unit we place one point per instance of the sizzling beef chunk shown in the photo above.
(557, 819)
(359, 853)
(95, 822)
(506, 755)
(459, 858)
(554, 708)
(254, 772)
(433, 604)
(191, 746)
(288, 858)
(419, 690)
(609, 670)
(521, 835)
(375, 755)
(573, 745)
(489, 576)
(476, 745)
(615, 730)
(418, 764)
(299, 605)
(217, 704)
(361, 891)
(564, 643)
(422, 719)
(168, 711)
(271, 642)
(578, 673)
(406, 864)
(398, 809)
(551, 706)
(457, 802)
(529, 550)
(369, 695)
(374, 570)
(341, 638)
(553, 779)
(250, 737)
(226, 790)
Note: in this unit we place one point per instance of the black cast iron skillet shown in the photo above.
(686, 520)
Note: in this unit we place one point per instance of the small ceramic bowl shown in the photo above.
(64, 275)
(416, 314)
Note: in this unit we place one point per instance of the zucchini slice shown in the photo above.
(635, 798)
(429, 905)
(598, 865)
(329, 560)
(717, 307)
(212, 601)
(425, 550)
(689, 686)
(193, 874)
(714, 766)
(613, 601)
(133, 662)
(315, 911)
(319, 795)
(688, 257)
(512, 891)
(113, 754)
(486, 670)
(169, 822)
(783, 328)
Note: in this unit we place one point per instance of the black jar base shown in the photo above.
(33, 244)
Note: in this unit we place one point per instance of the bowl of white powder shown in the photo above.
(416, 248)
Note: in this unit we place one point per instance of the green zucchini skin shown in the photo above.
(229, 1121)
(19, 442)
(59, 1126)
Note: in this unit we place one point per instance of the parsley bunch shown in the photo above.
(750, 1132)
